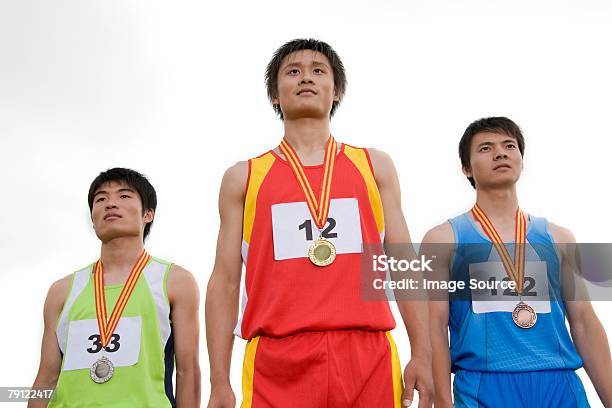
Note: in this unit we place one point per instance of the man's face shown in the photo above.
(117, 212)
(495, 160)
(305, 85)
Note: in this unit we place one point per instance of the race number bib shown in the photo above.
(294, 230)
(84, 345)
(502, 298)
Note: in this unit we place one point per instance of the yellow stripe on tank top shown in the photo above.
(259, 169)
(248, 372)
(396, 371)
(360, 160)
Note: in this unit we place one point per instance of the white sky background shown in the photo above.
(175, 90)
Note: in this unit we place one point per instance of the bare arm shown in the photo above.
(592, 344)
(50, 356)
(224, 285)
(184, 297)
(414, 313)
(587, 331)
(436, 244)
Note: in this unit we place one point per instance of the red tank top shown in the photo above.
(284, 293)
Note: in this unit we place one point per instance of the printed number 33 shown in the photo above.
(97, 344)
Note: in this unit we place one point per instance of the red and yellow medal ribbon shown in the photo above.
(108, 325)
(318, 209)
(516, 269)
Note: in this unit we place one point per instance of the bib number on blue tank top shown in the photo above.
(504, 299)
(294, 230)
(84, 345)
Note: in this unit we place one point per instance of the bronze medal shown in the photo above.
(524, 316)
(322, 252)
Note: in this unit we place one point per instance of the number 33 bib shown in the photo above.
(84, 346)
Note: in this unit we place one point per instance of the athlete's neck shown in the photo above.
(307, 135)
(119, 255)
(498, 204)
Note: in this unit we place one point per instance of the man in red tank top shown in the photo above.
(298, 217)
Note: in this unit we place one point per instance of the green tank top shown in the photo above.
(141, 349)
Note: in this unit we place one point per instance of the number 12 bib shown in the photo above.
(294, 230)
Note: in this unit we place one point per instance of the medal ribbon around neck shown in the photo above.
(319, 210)
(516, 269)
(108, 326)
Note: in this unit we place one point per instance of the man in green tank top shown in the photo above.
(114, 329)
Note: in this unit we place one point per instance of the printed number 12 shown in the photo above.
(327, 232)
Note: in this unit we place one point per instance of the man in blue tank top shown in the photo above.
(509, 345)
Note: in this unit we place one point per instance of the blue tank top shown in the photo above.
(491, 341)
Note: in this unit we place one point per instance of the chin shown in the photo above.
(302, 112)
(109, 235)
(506, 183)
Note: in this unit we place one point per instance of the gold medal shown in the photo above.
(102, 370)
(524, 316)
(322, 252)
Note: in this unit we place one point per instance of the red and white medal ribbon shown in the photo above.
(108, 325)
(514, 269)
(318, 209)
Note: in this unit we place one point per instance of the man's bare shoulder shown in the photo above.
(237, 172)
(59, 288)
(380, 159)
(440, 234)
(56, 296)
(235, 179)
(180, 274)
(564, 240)
(378, 154)
(439, 242)
(560, 234)
(382, 165)
(181, 283)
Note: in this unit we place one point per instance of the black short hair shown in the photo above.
(299, 45)
(495, 124)
(133, 179)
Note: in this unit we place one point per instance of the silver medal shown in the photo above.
(102, 370)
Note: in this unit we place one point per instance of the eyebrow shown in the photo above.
(121, 190)
(503, 141)
(299, 64)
